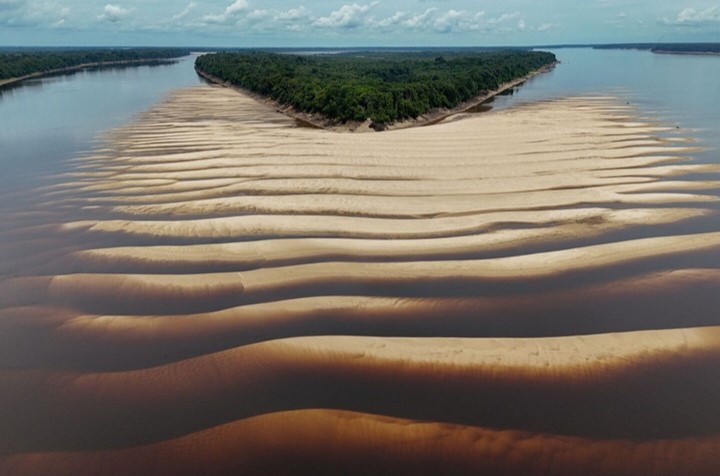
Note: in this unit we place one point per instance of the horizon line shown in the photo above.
(555, 45)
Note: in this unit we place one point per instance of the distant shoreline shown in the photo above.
(428, 119)
(70, 69)
(686, 53)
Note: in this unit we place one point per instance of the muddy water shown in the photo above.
(214, 290)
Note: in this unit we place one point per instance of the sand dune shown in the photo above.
(215, 290)
(64, 339)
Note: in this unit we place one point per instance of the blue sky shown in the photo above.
(254, 23)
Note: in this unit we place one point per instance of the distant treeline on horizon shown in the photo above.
(384, 87)
(24, 63)
(704, 47)
(654, 47)
(665, 47)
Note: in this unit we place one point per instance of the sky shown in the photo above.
(328, 23)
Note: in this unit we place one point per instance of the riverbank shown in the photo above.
(686, 53)
(70, 69)
(430, 118)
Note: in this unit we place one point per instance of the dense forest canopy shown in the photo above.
(384, 87)
(18, 64)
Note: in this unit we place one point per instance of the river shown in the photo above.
(221, 285)
(681, 90)
(45, 121)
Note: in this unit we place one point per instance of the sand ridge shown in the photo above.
(529, 291)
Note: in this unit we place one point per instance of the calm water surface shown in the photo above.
(46, 120)
(682, 90)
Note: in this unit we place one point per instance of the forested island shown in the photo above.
(23, 64)
(381, 86)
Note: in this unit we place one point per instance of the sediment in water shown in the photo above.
(522, 292)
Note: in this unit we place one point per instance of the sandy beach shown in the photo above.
(216, 290)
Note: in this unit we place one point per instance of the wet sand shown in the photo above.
(531, 291)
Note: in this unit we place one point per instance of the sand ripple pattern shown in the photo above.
(218, 291)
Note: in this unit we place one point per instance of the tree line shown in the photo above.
(383, 87)
(665, 47)
(18, 64)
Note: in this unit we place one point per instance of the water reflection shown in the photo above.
(40, 81)
(680, 90)
(47, 120)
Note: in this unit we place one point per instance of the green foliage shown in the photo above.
(15, 65)
(384, 87)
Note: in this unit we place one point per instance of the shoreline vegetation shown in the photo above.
(18, 67)
(373, 91)
(428, 119)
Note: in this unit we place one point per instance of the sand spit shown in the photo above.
(216, 290)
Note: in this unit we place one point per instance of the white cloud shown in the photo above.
(507, 23)
(693, 17)
(238, 6)
(449, 21)
(504, 18)
(114, 13)
(389, 22)
(46, 13)
(179, 16)
(453, 21)
(458, 21)
(347, 17)
(259, 15)
(293, 14)
(258, 19)
(421, 20)
(548, 26)
(230, 14)
(295, 19)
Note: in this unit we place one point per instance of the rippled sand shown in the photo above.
(216, 291)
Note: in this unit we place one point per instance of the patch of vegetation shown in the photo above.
(18, 64)
(384, 87)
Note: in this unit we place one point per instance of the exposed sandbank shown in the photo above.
(217, 290)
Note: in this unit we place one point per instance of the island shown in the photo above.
(380, 88)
